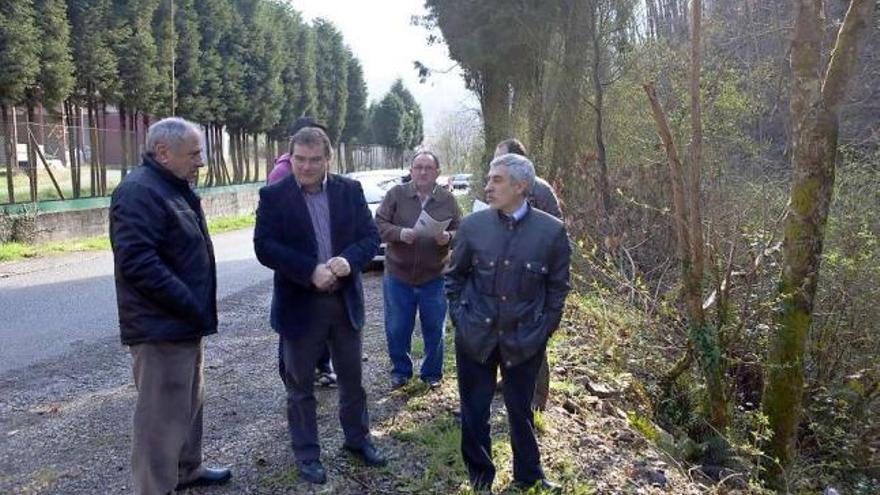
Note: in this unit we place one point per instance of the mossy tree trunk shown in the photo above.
(815, 107)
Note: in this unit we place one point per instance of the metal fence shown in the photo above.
(50, 162)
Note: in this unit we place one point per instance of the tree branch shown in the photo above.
(845, 53)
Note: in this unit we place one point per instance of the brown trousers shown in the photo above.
(166, 444)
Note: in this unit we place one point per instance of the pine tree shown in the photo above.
(56, 76)
(189, 101)
(356, 114)
(19, 60)
(332, 77)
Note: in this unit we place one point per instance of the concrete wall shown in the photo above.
(73, 224)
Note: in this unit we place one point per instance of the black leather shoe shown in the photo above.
(312, 471)
(482, 489)
(398, 382)
(545, 485)
(369, 454)
(210, 476)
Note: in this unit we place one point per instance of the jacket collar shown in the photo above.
(150, 162)
(412, 192)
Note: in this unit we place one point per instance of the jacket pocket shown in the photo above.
(484, 274)
(534, 274)
(532, 334)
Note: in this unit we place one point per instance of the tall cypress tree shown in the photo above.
(389, 122)
(306, 72)
(356, 113)
(137, 55)
(291, 31)
(19, 60)
(56, 76)
(95, 61)
(189, 102)
(332, 77)
(412, 133)
(19, 50)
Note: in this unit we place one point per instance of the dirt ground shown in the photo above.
(65, 424)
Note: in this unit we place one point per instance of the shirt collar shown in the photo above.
(516, 216)
(520, 212)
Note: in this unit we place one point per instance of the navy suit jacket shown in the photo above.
(284, 240)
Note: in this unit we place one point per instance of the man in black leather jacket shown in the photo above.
(507, 283)
(166, 287)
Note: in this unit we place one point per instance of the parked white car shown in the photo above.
(376, 183)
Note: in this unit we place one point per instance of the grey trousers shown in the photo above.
(301, 353)
(166, 444)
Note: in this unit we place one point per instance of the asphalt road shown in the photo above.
(48, 305)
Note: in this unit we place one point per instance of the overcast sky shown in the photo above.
(381, 36)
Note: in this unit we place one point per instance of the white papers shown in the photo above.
(479, 206)
(428, 227)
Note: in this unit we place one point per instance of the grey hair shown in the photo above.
(172, 131)
(520, 168)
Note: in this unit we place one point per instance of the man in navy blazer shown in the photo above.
(315, 231)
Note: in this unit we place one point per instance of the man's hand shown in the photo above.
(443, 238)
(323, 278)
(339, 266)
(408, 235)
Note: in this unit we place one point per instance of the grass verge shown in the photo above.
(11, 251)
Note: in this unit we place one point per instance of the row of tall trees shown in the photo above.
(248, 67)
(757, 125)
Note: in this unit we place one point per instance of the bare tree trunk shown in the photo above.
(31, 155)
(64, 134)
(598, 107)
(75, 145)
(209, 155)
(11, 154)
(245, 171)
(102, 140)
(571, 93)
(224, 170)
(257, 157)
(494, 102)
(815, 108)
(93, 154)
(704, 336)
(123, 138)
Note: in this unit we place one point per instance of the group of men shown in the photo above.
(502, 275)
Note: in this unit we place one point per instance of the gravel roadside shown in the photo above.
(65, 424)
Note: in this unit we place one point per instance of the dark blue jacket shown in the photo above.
(166, 280)
(507, 283)
(284, 241)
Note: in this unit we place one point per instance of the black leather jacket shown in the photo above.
(166, 280)
(507, 283)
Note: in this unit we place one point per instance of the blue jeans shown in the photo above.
(401, 302)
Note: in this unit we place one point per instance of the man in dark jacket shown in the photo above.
(316, 232)
(507, 283)
(324, 375)
(542, 197)
(166, 289)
